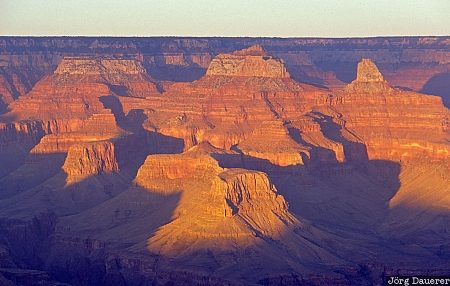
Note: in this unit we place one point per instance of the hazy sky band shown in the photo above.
(281, 18)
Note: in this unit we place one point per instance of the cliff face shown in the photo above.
(85, 160)
(241, 175)
(16, 140)
(253, 62)
(248, 193)
(121, 76)
(67, 107)
(368, 79)
(393, 123)
(414, 62)
(232, 207)
(109, 68)
(77, 85)
(12, 85)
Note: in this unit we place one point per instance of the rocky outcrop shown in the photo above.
(230, 204)
(393, 123)
(247, 193)
(77, 85)
(368, 79)
(367, 71)
(405, 61)
(112, 69)
(270, 136)
(193, 164)
(250, 62)
(277, 179)
(90, 159)
(121, 76)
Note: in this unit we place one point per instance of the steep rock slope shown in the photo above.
(231, 108)
(91, 159)
(393, 124)
(278, 182)
(253, 61)
(206, 216)
(68, 106)
(412, 62)
(76, 86)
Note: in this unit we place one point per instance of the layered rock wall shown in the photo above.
(90, 159)
(251, 62)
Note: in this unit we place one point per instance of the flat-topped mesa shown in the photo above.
(250, 62)
(75, 88)
(125, 77)
(368, 79)
(98, 66)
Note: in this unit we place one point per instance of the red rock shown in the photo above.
(250, 62)
(376, 163)
(393, 123)
(75, 88)
(368, 79)
(89, 159)
(231, 204)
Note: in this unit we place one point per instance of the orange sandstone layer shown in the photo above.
(89, 159)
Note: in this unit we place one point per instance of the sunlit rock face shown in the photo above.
(232, 205)
(121, 76)
(250, 62)
(90, 159)
(393, 124)
(368, 79)
(99, 66)
(367, 71)
(241, 176)
(75, 88)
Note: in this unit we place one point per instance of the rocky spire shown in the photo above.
(368, 72)
(368, 79)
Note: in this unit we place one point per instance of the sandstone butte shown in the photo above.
(242, 176)
(250, 62)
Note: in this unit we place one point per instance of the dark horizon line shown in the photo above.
(221, 37)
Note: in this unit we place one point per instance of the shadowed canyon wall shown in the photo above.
(221, 161)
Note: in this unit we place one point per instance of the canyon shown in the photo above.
(223, 161)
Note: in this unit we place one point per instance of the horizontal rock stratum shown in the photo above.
(250, 62)
(98, 66)
(197, 162)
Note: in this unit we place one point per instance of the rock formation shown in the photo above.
(89, 160)
(396, 118)
(241, 175)
(249, 192)
(232, 205)
(11, 86)
(75, 88)
(271, 136)
(411, 62)
(250, 62)
(112, 69)
(367, 71)
(368, 79)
